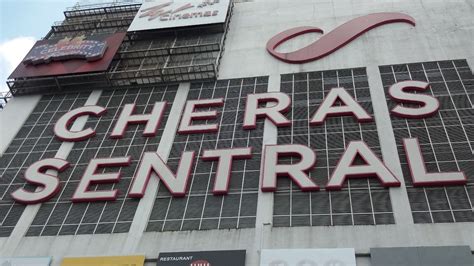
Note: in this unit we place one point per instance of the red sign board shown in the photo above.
(69, 55)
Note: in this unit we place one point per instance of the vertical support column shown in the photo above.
(470, 62)
(31, 210)
(264, 217)
(145, 207)
(14, 116)
(399, 195)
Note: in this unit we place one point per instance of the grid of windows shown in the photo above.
(362, 201)
(59, 216)
(200, 209)
(446, 139)
(34, 141)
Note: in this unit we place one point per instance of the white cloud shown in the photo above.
(11, 53)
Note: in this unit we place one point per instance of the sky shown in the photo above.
(22, 23)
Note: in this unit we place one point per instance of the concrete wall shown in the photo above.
(14, 116)
(444, 31)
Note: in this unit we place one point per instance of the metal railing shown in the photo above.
(4, 98)
(146, 57)
(79, 6)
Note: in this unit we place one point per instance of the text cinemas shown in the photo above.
(272, 105)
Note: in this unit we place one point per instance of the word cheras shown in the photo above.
(271, 105)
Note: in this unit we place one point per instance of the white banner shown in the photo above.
(161, 14)
(32, 261)
(308, 257)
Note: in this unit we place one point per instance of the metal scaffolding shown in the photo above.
(4, 98)
(144, 57)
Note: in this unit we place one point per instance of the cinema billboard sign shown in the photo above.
(165, 14)
(411, 103)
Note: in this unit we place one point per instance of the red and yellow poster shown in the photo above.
(69, 55)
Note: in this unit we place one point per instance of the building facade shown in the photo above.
(414, 204)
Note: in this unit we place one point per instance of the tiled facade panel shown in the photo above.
(200, 209)
(446, 139)
(59, 216)
(361, 201)
(34, 141)
(420, 256)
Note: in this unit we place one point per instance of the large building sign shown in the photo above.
(308, 257)
(69, 55)
(202, 258)
(333, 40)
(134, 140)
(161, 14)
(338, 102)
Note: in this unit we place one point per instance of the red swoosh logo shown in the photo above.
(334, 39)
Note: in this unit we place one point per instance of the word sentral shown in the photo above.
(271, 105)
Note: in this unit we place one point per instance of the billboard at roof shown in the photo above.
(162, 14)
(69, 55)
